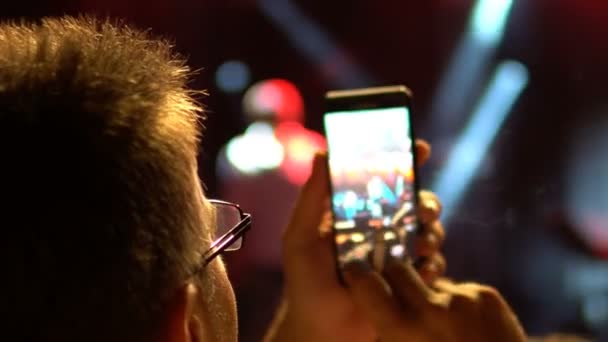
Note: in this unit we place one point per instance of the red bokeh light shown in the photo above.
(281, 98)
(300, 146)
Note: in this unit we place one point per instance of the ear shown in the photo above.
(182, 321)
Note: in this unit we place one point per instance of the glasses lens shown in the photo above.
(228, 217)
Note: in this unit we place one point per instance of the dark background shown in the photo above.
(513, 229)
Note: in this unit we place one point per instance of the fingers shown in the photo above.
(310, 207)
(431, 268)
(429, 207)
(430, 239)
(407, 286)
(472, 298)
(395, 307)
(373, 298)
(470, 302)
(308, 258)
(423, 152)
(410, 311)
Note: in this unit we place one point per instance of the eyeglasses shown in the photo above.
(231, 225)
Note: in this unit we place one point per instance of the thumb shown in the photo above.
(311, 206)
(373, 297)
(407, 286)
(308, 258)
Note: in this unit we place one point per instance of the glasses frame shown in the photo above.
(220, 245)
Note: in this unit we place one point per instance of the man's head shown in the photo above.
(101, 210)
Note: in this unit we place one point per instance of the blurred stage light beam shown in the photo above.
(308, 38)
(509, 81)
(465, 70)
(489, 19)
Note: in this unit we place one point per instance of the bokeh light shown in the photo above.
(232, 76)
(256, 150)
(300, 145)
(276, 100)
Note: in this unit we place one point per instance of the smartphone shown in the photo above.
(372, 170)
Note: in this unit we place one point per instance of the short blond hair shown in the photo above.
(99, 136)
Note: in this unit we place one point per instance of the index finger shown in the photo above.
(407, 286)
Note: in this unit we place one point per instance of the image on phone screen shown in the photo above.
(371, 165)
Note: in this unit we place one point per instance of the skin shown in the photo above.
(396, 306)
(194, 314)
(399, 305)
(317, 307)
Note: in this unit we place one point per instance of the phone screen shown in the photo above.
(371, 163)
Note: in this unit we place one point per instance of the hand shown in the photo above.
(402, 308)
(318, 307)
